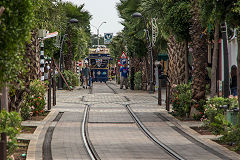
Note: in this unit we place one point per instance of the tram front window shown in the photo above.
(99, 63)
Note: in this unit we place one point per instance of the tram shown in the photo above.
(99, 63)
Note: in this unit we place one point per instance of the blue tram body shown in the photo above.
(99, 64)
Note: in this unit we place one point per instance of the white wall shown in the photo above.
(232, 50)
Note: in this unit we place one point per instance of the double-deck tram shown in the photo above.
(99, 63)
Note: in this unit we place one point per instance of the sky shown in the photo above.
(102, 10)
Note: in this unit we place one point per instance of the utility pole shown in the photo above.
(98, 30)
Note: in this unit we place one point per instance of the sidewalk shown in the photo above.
(113, 132)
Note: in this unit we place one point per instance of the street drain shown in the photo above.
(47, 151)
(46, 148)
(58, 117)
(164, 119)
(193, 140)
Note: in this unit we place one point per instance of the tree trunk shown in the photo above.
(68, 58)
(200, 57)
(238, 77)
(4, 98)
(177, 61)
(186, 63)
(32, 59)
(214, 60)
(2, 9)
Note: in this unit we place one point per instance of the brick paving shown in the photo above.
(109, 113)
(67, 140)
(111, 129)
(123, 141)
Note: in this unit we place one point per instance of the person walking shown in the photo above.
(86, 75)
(233, 84)
(124, 76)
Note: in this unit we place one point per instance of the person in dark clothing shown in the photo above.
(233, 84)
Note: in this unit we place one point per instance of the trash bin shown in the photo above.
(232, 116)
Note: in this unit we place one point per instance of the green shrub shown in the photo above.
(182, 100)
(11, 125)
(214, 115)
(232, 136)
(138, 80)
(71, 78)
(200, 107)
(25, 112)
(75, 80)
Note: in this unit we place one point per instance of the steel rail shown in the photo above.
(111, 89)
(93, 155)
(152, 137)
(149, 134)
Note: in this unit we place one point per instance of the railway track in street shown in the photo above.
(119, 124)
(90, 147)
(152, 137)
(165, 147)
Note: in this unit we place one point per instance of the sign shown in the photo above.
(50, 35)
(123, 56)
(123, 59)
(80, 63)
(108, 38)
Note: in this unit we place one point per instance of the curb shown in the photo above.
(34, 151)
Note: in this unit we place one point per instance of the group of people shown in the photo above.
(87, 76)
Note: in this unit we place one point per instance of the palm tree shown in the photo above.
(174, 30)
(199, 55)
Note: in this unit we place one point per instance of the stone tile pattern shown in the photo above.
(67, 139)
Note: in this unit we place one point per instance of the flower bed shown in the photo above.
(28, 129)
(215, 119)
(21, 151)
(34, 104)
(202, 130)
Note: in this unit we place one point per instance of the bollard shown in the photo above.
(54, 85)
(49, 90)
(167, 96)
(3, 147)
(132, 78)
(159, 92)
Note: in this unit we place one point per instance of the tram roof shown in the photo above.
(99, 56)
(99, 50)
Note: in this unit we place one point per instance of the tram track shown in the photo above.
(151, 136)
(177, 129)
(147, 132)
(115, 92)
(85, 136)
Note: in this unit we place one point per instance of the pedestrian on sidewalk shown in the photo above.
(86, 75)
(124, 76)
(233, 84)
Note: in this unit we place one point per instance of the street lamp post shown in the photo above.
(139, 15)
(97, 28)
(60, 84)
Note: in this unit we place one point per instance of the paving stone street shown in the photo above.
(112, 131)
